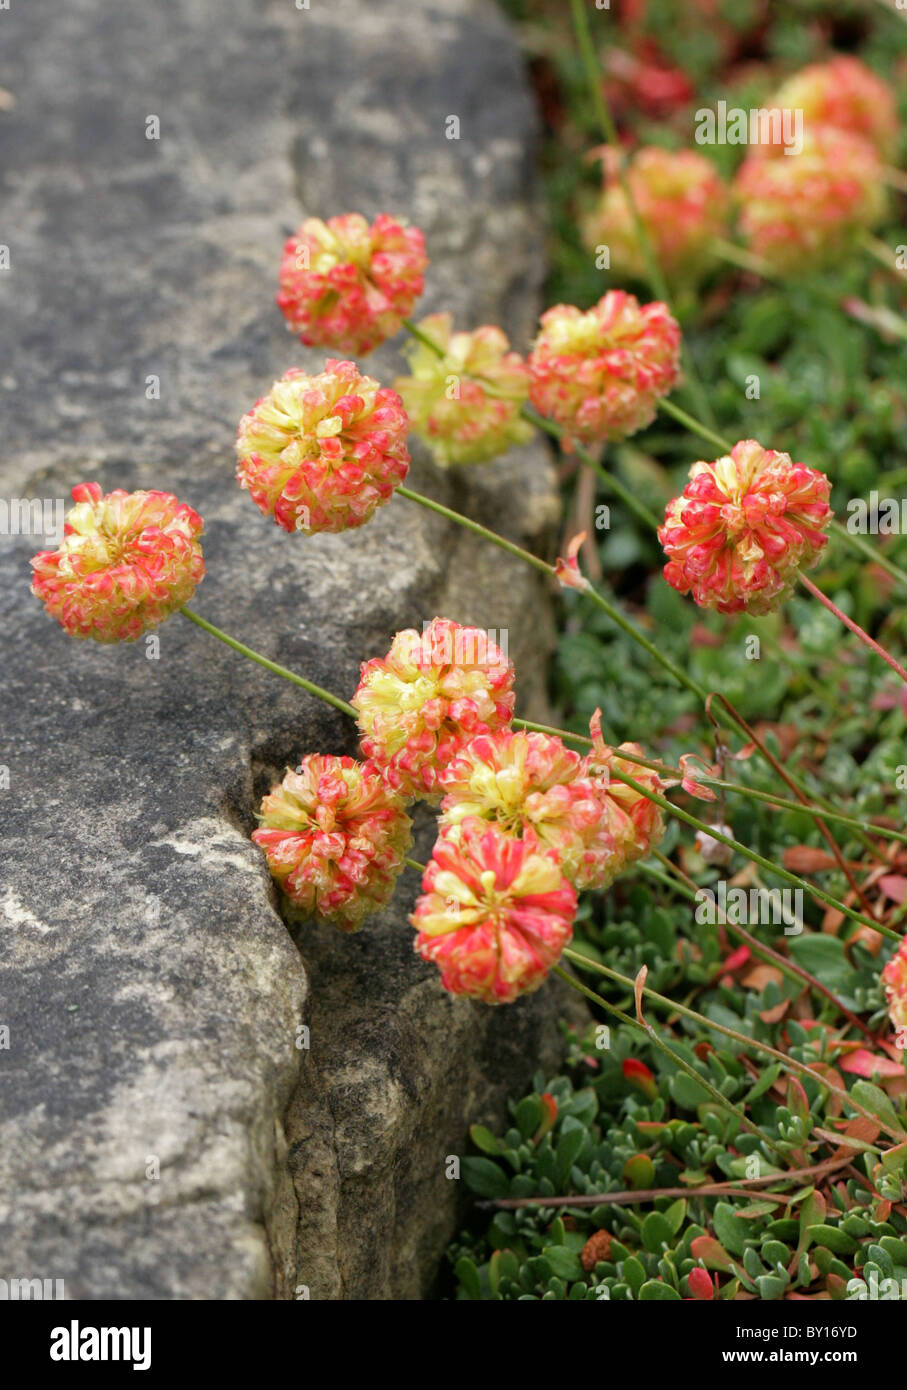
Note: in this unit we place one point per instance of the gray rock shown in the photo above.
(152, 993)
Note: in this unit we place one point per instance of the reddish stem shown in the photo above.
(854, 627)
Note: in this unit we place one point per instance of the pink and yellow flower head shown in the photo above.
(126, 562)
(495, 913)
(465, 403)
(335, 837)
(801, 211)
(843, 94)
(682, 203)
(348, 285)
(321, 453)
(529, 783)
(742, 528)
(600, 373)
(418, 705)
(894, 977)
(635, 823)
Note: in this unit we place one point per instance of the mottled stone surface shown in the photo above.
(151, 990)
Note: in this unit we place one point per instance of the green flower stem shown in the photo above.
(271, 666)
(606, 121)
(757, 858)
(873, 245)
(658, 1042)
(542, 565)
(743, 259)
(477, 530)
(853, 627)
(695, 426)
(868, 552)
(789, 1063)
(620, 490)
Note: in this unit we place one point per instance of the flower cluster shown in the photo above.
(126, 562)
(434, 689)
(681, 201)
(320, 453)
(799, 211)
(348, 285)
(529, 783)
(465, 399)
(495, 913)
(335, 837)
(600, 373)
(843, 94)
(894, 978)
(742, 528)
(635, 823)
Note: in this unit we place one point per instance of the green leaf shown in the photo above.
(675, 1213)
(656, 1292)
(468, 1275)
(824, 957)
(485, 1140)
(633, 1273)
(874, 1099)
(528, 1116)
(484, 1177)
(833, 1238)
(568, 1148)
(656, 1232)
(564, 1263)
(686, 1092)
(728, 1229)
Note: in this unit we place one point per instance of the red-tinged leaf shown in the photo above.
(735, 960)
(549, 1115)
(831, 921)
(639, 1075)
(870, 940)
(688, 781)
(869, 1064)
(776, 1014)
(711, 1253)
(639, 1171)
(702, 636)
(567, 570)
(761, 975)
(861, 1127)
(797, 1099)
(804, 859)
(638, 986)
(701, 1285)
(757, 1209)
(845, 1142)
(894, 886)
